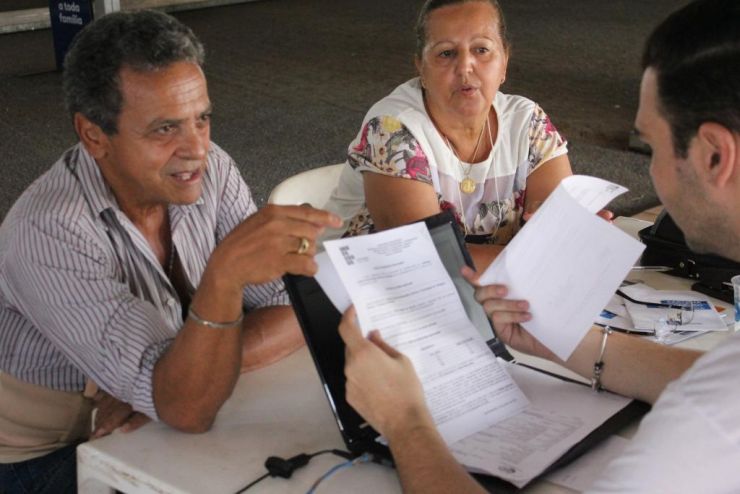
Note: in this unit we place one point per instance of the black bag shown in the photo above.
(666, 246)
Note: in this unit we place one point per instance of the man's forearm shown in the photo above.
(632, 366)
(425, 464)
(270, 334)
(198, 371)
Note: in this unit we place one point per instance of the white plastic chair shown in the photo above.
(312, 186)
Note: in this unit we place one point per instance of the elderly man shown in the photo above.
(689, 114)
(139, 261)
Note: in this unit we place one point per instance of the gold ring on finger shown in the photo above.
(303, 246)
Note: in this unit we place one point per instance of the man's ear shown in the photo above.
(716, 152)
(92, 136)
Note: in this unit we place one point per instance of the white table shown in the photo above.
(280, 410)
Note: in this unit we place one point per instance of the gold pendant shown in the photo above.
(468, 185)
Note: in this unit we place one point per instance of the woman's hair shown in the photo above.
(145, 41)
(432, 5)
(695, 53)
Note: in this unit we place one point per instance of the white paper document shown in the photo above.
(521, 447)
(567, 262)
(615, 316)
(330, 282)
(400, 287)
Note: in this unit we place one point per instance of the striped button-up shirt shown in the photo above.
(81, 292)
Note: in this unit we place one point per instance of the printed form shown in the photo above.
(399, 286)
(521, 447)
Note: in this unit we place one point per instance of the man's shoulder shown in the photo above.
(54, 197)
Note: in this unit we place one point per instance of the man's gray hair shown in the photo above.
(144, 40)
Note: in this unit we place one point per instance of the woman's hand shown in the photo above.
(507, 316)
(604, 213)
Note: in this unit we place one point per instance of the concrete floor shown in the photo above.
(291, 81)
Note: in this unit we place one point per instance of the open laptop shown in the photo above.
(319, 320)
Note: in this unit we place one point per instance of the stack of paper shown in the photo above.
(655, 307)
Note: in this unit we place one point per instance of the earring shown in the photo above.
(423, 85)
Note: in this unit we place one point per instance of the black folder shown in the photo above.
(319, 320)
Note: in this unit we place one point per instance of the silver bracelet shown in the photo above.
(215, 325)
(599, 364)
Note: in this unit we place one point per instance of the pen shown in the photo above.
(659, 269)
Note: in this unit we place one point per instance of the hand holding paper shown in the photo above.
(397, 280)
(566, 262)
(399, 286)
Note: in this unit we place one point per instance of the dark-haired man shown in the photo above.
(689, 114)
(138, 261)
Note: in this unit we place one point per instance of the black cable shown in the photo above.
(280, 467)
(255, 481)
(642, 302)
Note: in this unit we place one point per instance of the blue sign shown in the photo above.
(68, 17)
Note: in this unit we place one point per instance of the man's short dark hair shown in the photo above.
(696, 55)
(144, 40)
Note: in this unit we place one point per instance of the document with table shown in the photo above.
(561, 413)
(498, 418)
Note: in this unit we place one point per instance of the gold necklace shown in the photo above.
(467, 184)
(463, 218)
